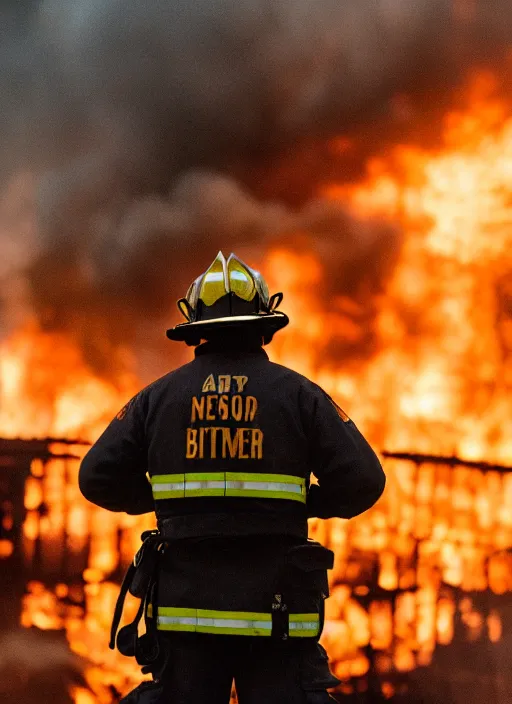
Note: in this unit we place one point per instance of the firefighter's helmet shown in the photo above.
(229, 294)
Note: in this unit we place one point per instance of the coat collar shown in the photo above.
(241, 350)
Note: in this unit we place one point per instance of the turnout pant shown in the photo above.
(201, 669)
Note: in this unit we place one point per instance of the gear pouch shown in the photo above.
(308, 566)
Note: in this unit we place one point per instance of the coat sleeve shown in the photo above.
(113, 473)
(350, 476)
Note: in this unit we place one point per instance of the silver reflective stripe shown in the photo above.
(175, 486)
(233, 623)
(192, 486)
(188, 486)
(265, 486)
(177, 620)
(303, 625)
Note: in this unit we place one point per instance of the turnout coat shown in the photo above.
(222, 449)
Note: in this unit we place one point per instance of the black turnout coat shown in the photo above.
(230, 415)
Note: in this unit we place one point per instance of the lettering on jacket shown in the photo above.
(222, 401)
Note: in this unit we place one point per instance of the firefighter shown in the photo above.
(222, 449)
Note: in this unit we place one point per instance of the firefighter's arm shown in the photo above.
(349, 473)
(113, 473)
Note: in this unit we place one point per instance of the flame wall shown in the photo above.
(423, 575)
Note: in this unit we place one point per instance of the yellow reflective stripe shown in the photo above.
(202, 487)
(257, 477)
(303, 625)
(304, 633)
(228, 476)
(176, 611)
(265, 486)
(168, 486)
(166, 478)
(204, 476)
(213, 613)
(236, 626)
(175, 619)
(247, 615)
(235, 484)
(176, 623)
(168, 494)
(191, 493)
(233, 622)
(305, 617)
(222, 622)
(255, 494)
(175, 486)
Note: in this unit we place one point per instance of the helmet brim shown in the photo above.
(269, 322)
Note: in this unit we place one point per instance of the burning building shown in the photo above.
(362, 159)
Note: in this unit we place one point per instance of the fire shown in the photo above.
(439, 378)
(437, 382)
(47, 388)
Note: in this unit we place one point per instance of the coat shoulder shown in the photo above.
(166, 380)
(280, 370)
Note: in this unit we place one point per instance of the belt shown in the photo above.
(206, 525)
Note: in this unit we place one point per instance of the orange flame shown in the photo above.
(47, 389)
(440, 375)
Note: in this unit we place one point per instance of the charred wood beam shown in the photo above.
(450, 461)
(39, 442)
(17, 448)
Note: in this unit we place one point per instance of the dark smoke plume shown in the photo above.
(132, 133)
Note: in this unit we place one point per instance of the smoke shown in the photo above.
(196, 83)
(114, 288)
(135, 119)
